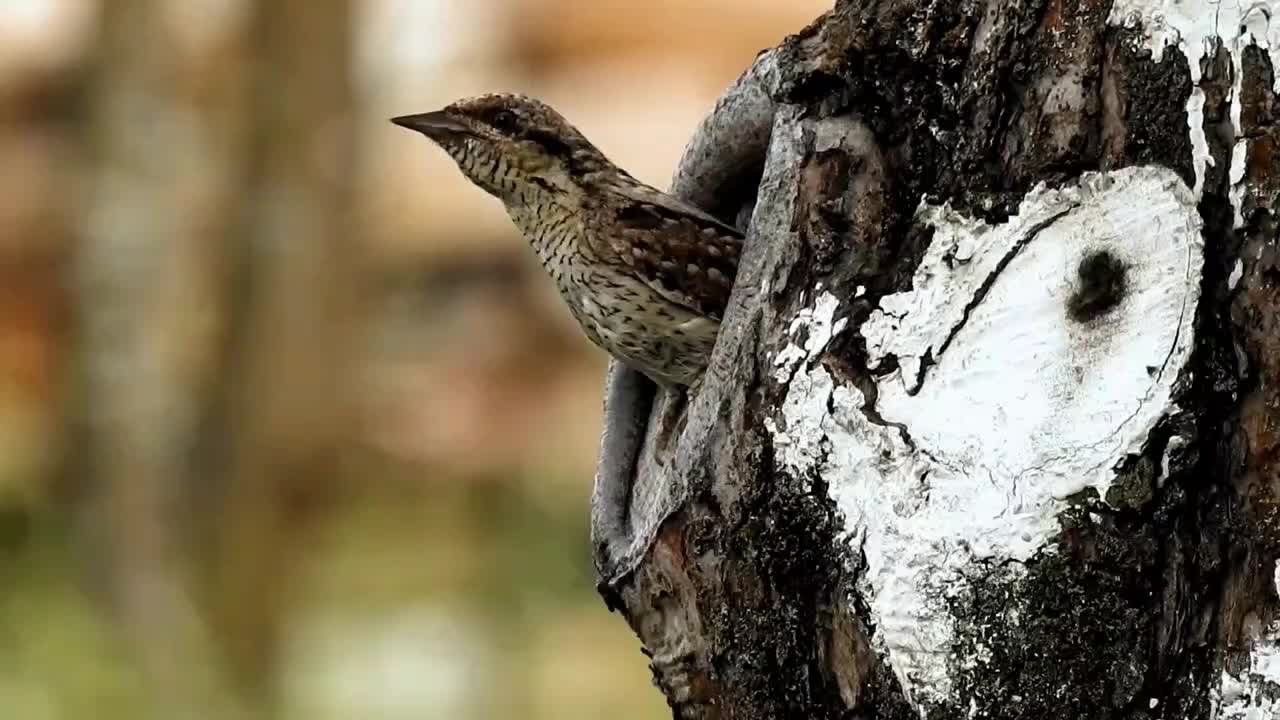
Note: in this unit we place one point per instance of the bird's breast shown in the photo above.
(628, 319)
(616, 310)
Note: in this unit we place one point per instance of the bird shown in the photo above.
(646, 275)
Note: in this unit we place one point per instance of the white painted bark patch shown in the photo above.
(1251, 694)
(974, 456)
(1194, 26)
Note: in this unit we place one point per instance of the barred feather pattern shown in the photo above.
(646, 275)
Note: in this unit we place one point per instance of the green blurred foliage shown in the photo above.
(435, 600)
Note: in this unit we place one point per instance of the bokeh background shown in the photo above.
(291, 425)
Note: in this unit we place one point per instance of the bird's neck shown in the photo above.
(550, 222)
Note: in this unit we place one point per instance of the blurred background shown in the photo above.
(291, 425)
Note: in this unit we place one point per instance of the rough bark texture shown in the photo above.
(734, 571)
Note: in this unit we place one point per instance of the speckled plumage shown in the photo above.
(646, 275)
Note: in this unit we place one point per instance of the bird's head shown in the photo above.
(506, 143)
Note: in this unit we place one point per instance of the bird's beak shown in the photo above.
(436, 125)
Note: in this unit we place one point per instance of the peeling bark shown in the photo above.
(992, 429)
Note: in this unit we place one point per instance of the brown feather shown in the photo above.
(684, 254)
(646, 274)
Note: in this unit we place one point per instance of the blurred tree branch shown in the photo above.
(294, 318)
(163, 164)
(216, 299)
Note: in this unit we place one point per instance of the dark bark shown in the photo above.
(736, 580)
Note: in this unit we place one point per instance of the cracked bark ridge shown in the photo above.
(1247, 308)
(1156, 588)
(634, 492)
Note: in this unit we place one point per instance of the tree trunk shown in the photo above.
(219, 293)
(162, 153)
(992, 429)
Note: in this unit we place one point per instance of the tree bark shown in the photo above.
(992, 428)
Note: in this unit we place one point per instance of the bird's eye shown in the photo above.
(504, 120)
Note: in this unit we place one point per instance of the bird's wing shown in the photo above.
(683, 253)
